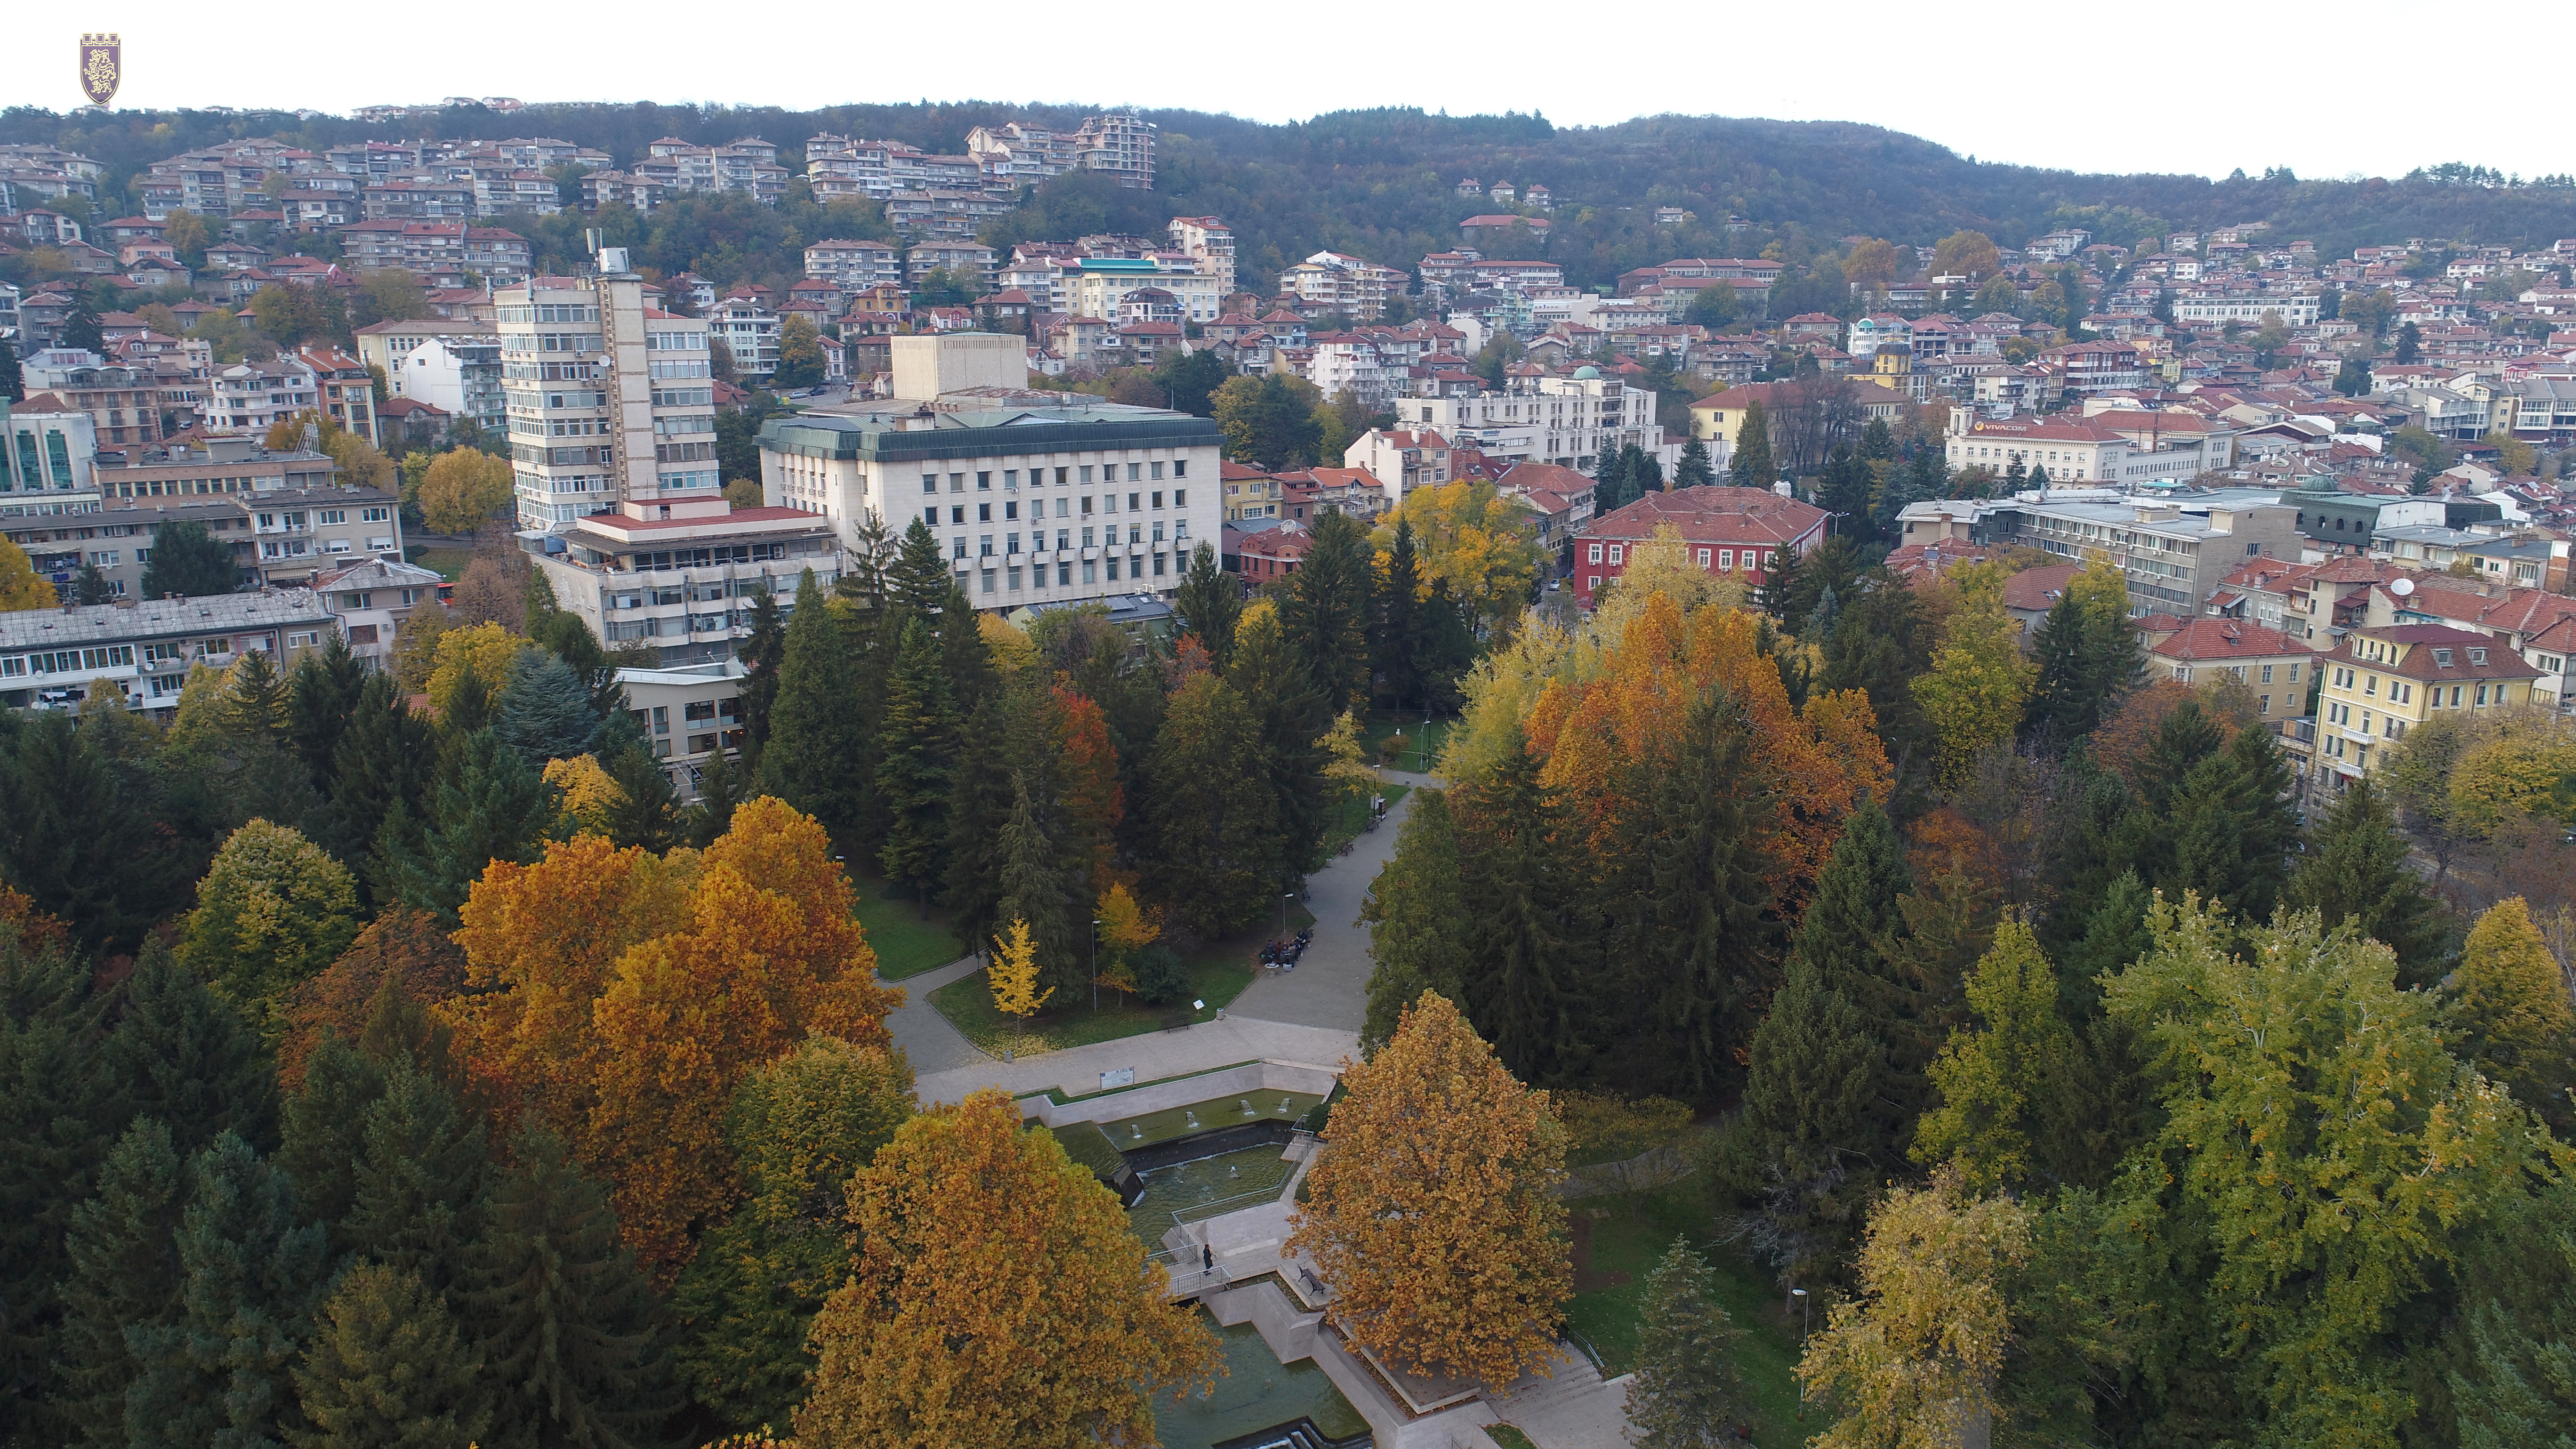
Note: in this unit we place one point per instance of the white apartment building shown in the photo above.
(924, 257)
(1118, 146)
(688, 712)
(749, 331)
(2295, 310)
(50, 659)
(1035, 497)
(1348, 362)
(556, 382)
(854, 265)
(1211, 242)
(1566, 421)
(251, 397)
(1097, 286)
(1356, 288)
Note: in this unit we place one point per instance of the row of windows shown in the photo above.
(67, 661)
(1722, 560)
(1091, 573)
(1064, 538)
(1037, 509)
(675, 342)
(1136, 473)
(548, 313)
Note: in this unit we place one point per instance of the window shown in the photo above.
(1011, 509)
(1180, 469)
(1180, 498)
(1594, 554)
(2482, 695)
(929, 482)
(1086, 503)
(983, 513)
(1135, 501)
(1158, 493)
(1618, 552)
(2477, 656)
(2294, 674)
(930, 515)
(374, 515)
(1158, 477)
(984, 480)
(1134, 472)
(984, 548)
(1591, 582)
(1726, 559)
(1704, 556)
(2262, 704)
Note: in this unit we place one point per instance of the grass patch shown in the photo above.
(1218, 972)
(1508, 1437)
(1629, 1239)
(906, 944)
(447, 563)
(1349, 818)
(1422, 746)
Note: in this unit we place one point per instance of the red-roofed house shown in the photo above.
(2030, 594)
(1728, 530)
(2270, 663)
(1401, 459)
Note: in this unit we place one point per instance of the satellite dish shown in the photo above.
(2401, 587)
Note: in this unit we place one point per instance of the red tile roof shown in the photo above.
(2223, 639)
(1713, 515)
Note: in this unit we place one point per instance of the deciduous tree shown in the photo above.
(2509, 1000)
(994, 1297)
(1995, 1080)
(463, 488)
(1433, 1217)
(272, 912)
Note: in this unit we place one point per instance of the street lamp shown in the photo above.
(1283, 914)
(1799, 1296)
(1095, 965)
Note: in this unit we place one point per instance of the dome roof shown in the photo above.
(1587, 370)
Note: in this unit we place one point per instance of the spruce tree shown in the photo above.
(2115, 935)
(762, 652)
(1688, 1393)
(919, 580)
(1845, 493)
(124, 1280)
(721, 788)
(1800, 1149)
(816, 759)
(1213, 836)
(564, 1320)
(2232, 824)
(250, 1278)
(387, 1369)
(183, 1055)
(914, 756)
(383, 758)
(963, 651)
(2508, 1002)
(1038, 888)
(1396, 624)
(256, 706)
(1210, 602)
(1751, 466)
(82, 841)
(13, 376)
(979, 804)
(1610, 490)
(544, 709)
(1709, 935)
(1448, 648)
(646, 811)
(1645, 474)
(322, 695)
(2356, 873)
(1693, 471)
(490, 807)
(1523, 981)
(418, 1183)
(1326, 613)
(322, 1131)
(58, 1122)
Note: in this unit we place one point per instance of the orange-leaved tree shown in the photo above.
(402, 951)
(996, 1298)
(1093, 801)
(770, 954)
(1433, 1213)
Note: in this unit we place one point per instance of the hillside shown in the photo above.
(1381, 183)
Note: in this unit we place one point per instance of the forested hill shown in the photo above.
(1381, 184)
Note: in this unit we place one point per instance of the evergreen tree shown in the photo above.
(1693, 471)
(83, 328)
(323, 692)
(1524, 979)
(544, 709)
(387, 1369)
(2068, 695)
(382, 759)
(2232, 825)
(646, 811)
(82, 841)
(1784, 593)
(1215, 855)
(1040, 887)
(979, 805)
(1610, 487)
(1210, 602)
(1396, 635)
(250, 1277)
(819, 761)
(1326, 613)
(1292, 715)
(913, 760)
(322, 1131)
(1881, 643)
(762, 653)
(57, 1126)
(1751, 465)
(1645, 475)
(2356, 872)
(2183, 739)
(2115, 935)
(124, 1280)
(2513, 1376)
(1708, 933)
(491, 807)
(417, 1185)
(721, 788)
(963, 652)
(90, 585)
(183, 1055)
(562, 1316)
(1800, 1148)
(13, 375)
(1844, 492)
(2509, 1003)
(256, 706)
(1448, 647)
(1852, 927)
(919, 579)
(189, 563)
(1688, 1393)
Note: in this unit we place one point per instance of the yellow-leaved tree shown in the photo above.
(486, 649)
(588, 794)
(1347, 775)
(1910, 1361)
(463, 488)
(1125, 929)
(21, 587)
(1473, 537)
(1014, 976)
(996, 1298)
(1980, 677)
(1432, 1211)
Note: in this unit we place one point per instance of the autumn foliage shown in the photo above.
(624, 996)
(995, 1298)
(1433, 1214)
(401, 950)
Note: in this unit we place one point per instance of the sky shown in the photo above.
(2322, 89)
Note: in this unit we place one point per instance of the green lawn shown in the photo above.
(1508, 1437)
(1218, 973)
(447, 563)
(906, 944)
(1381, 724)
(1632, 1235)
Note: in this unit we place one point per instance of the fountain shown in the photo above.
(1247, 1105)
(1193, 1116)
(1136, 1131)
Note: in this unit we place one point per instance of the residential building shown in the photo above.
(2273, 667)
(1100, 287)
(749, 331)
(566, 420)
(969, 259)
(460, 374)
(347, 390)
(1400, 459)
(1035, 497)
(1739, 532)
(296, 533)
(252, 397)
(123, 401)
(687, 713)
(1542, 418)
(854, 265)
(2028, 595)
(2176, 549)
(1335, 282)
(1251, 493)
(1558, 501)
(371, 598)
(1211, 242)
(1715, 418)
(51, 659)
(1119, 146)
(227, 465)
(2098, 450)
(2381, 681)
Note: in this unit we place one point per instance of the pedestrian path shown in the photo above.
(1329, 986)
(1152, 1056)
(927, 1040)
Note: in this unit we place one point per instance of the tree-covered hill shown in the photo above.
(1382, 183)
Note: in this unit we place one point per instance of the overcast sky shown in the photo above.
(2327, 90)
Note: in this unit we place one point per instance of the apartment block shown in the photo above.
(51, 659)
(2175, 550)
(855, 265)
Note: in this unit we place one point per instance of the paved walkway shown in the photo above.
(1329, 986)
(925, 1036)
(1153, 1056)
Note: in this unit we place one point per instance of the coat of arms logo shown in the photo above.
(98, 68)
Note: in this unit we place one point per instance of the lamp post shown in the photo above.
(1283, 914)
(1799, 1296)
(1095, 965)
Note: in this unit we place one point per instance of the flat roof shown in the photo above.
(118, 623)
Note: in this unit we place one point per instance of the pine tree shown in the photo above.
(418, 1183)
(816, 759)
(1751, 465)
(762, 652)
(1290, 711)
(1395, 635)
(1448, 647)
(1693, 471)
(58, 1122)
(1688, 1393)
(1610, 488)
(123, 1254)
(90, 585)
(979, 804)
(919, 579)
(1800, 1148)
(1523, 983)
(184, 1056)
(1707, 929)
(1326, 613)
(1845, 493)
(963, 653)
(387, 1369)
(1784, 593)
(322, 1130)
(255, 701)
(250, 1278)
(1214, 845)
(646, 811)
(2232, 825)
(13, 375)
(490, 807)
(2356, 872)
(82, 842)
(914, 755)
(1040, 889)
(562, 1316)
(544, 710)
(383, 758)
(1210, 603)
(2115, 935)
(1645, 475)
(323, 692)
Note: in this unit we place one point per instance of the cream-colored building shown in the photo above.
(1095, 286)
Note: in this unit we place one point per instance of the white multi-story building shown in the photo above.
(251, 397)
(1357, 289)
(2296, 310)
(556, 383)
(854, 265)
(749, 331)
(1118, 146)
(1035, 497)
(1211, 242)
(1099, 286)
(1566, 421)
(1348, 362)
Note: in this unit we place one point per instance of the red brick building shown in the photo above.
(1728, 531)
